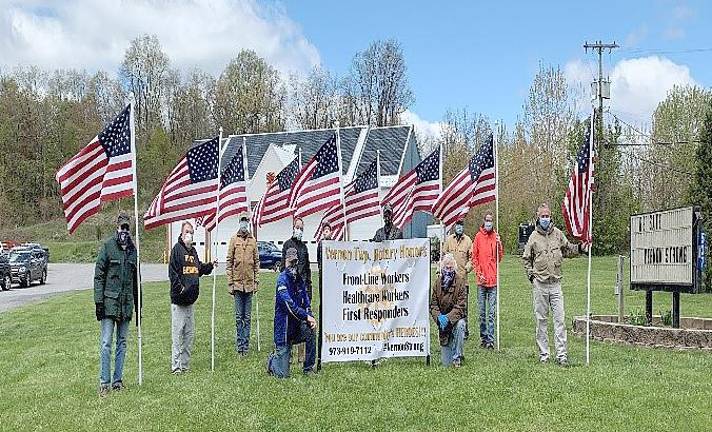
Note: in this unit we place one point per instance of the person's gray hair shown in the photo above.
(542, 206)
(182, 226)
(448, 259)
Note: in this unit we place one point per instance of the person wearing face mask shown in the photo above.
(241, 268)
(294, 322)
(115, 295)
(487, 253)
(543, 254)
(388, 231)
(447, 308)
(459, 245)
(303, 269)
(184, 271)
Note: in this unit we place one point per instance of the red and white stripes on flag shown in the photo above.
(256, 215)
(361, 199)
(576, 207)
(275, 203)
(318, 185)
(101, 172)
(190, 189)
(233, 189)
(415, 191)
(473, 186)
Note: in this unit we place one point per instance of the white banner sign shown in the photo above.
(375, 300)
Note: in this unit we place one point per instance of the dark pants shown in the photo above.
(243, 315)
(278, 361)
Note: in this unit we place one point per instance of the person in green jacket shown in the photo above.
(115, 291)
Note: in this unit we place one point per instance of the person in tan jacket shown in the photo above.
(459, 245)
(543, 254)
(447, 308)
(241, 268)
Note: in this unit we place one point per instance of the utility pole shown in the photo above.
(600, 47)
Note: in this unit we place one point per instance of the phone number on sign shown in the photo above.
(352, 350)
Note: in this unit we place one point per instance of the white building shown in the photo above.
(271, 152)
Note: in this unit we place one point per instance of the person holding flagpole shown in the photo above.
(542, 258)
(487, 253)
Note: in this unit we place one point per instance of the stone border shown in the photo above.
(695, 334)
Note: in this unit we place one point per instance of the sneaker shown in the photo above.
(483, 344)
(543, 359)
(563, 362)
(489, 346)
(104, 390)
(177, 371)
(456, 363)
(185, 370)
(269, 365)
(118, 386)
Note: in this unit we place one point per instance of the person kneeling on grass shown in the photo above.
(447, 307)
(294, 322)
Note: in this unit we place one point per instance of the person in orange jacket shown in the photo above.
(485, 248)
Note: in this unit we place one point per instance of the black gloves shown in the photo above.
(531, 279)
(100, 311)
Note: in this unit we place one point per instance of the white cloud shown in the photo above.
(94, 34)
(423, 128)
(637, 85)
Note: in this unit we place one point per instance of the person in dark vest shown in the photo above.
(184, 272)
(388, 231)
(115, 292)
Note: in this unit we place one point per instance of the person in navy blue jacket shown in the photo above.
(294, 322)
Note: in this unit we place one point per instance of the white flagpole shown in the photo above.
(495, 144)
(341, 184)
(215, 255)
(590, 228)
(138, 238)
(442, 241)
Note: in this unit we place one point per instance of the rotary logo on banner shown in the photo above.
(375, 300)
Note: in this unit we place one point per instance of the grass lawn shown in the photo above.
(49, 363)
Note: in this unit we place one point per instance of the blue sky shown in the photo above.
(479, 55)
(483, 55)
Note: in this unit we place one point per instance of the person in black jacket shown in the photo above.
(184, 272)
(303, 269)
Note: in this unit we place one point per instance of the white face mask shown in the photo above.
(488, 226)
(297, 234)
(188, 238)
(243, 226)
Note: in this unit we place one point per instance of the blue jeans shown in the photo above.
(487, 298)
(278, 361)
(107, 336)
(453, 350)
(243, 315)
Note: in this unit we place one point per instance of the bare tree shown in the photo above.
(314, 100)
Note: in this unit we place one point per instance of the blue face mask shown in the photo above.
(544, 223)
(459, 229)
(488, 226)
(448, 275)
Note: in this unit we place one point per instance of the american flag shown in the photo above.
(255, 218)
(415, 191)
(318, 185)
(102, 171)
(576, 207)
(233, 191)
(190, 189)
(473, 186)
(361, 198)
(275, 202)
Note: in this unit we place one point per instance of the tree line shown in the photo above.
(46, 116)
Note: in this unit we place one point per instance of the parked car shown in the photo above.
(5, 277)
(270, 256)
(27, 266)
(38, 246)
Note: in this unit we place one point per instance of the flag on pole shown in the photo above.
(415, 191)
(361, 201)
(275, 202)
(576, 207)
(318, 185)
(233, 191)
(190, 189)
(256, 213)
(473, 186)
(102, 171)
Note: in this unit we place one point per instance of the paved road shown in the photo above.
(63, 278)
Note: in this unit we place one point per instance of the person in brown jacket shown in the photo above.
(447, 308)
(459, 245)
(241, 268)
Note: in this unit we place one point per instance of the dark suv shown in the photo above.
(5, 278)
(27, 266)
(270, 256)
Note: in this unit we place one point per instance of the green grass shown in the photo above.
(49, 363)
